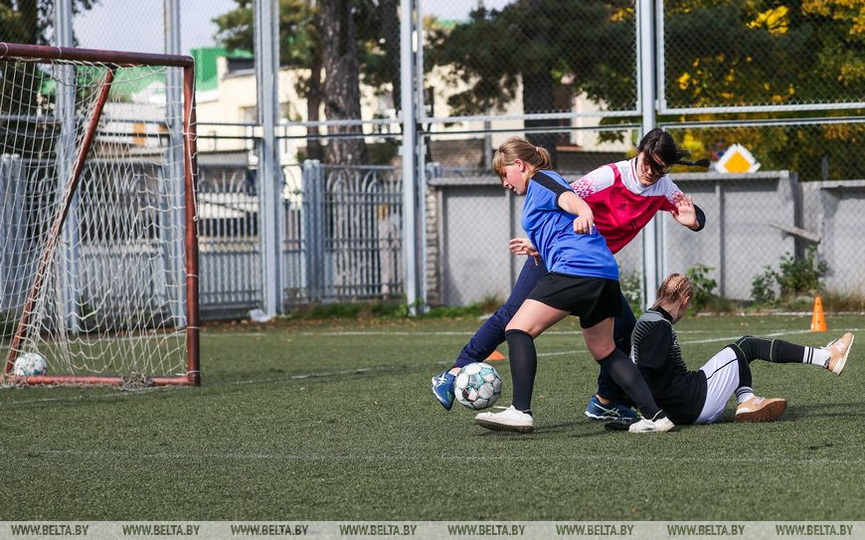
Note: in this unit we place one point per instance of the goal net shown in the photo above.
(98, 247)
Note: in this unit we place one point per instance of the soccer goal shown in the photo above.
(98, 244)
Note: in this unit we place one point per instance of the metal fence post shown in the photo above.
(65, 112)
(412, 172)
(313, 231)
(269, 175)
(174, 252)
(647, 84)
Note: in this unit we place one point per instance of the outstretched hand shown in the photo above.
(522, 246)
(686, 212)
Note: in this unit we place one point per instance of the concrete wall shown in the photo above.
(753, 220)
(835, 213)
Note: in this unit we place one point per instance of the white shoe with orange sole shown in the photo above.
(840, 349)
(759, 409)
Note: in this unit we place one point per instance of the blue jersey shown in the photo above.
(551, 230)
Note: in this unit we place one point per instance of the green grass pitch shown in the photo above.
(335, 421)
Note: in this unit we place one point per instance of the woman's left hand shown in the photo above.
(686, 212)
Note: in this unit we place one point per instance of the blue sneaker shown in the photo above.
(443, 388)
(614, 411)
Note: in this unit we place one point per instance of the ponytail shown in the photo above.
(536, 157)
(674, 289)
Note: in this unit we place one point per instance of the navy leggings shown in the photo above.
(492, 333)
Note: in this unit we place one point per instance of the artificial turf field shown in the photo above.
(336, 421)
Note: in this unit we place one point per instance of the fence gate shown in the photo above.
(350, 235)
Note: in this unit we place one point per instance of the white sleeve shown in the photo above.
(595, 181)
(668, 188)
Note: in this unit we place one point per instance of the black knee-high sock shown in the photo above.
(523, 359)
(752, 348)
(627, 375)
(745, 378)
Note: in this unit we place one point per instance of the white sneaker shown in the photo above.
(509, 419)
(655, 425)
(840, 349)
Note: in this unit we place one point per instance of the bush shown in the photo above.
(632, 290)
(704, 286)
(763, 286)
(801, 276)
(794, 278)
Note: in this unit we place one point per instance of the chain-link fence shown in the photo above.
(379, 151)
(762, 54)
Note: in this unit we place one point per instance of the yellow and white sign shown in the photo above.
(737, 159)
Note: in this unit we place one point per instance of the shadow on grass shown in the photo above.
(577, 429)
(796, 412)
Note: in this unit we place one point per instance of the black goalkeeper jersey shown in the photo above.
(655, 349)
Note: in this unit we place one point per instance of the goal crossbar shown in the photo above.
(120, 58)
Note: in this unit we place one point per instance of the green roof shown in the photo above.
(127, 81)
(135, 79)
(205, 64)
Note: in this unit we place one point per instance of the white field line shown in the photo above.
(321, 374)
(550, 333)
(408, 456)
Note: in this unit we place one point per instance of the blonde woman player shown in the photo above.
(582, 281)
(699, 397)
(623, 197)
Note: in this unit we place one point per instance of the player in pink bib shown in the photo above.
(623, 205)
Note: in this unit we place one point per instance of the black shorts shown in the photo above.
(589, 298)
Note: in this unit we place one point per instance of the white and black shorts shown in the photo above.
(722, 380)
(591, 299)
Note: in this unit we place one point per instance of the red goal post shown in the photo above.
(98, 241)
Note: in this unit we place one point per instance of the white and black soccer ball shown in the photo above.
(30, 363)
(478, 386)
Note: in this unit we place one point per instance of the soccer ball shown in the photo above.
(478, 386)
(30, 363)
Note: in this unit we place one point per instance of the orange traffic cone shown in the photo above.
(818, 320)
(495, 356)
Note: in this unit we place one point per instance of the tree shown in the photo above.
(341, 83)
(538, 45)
(29, 21)
(298, 48)
(716, 53)
(374, 44)
(766, 53)
(378, 26)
